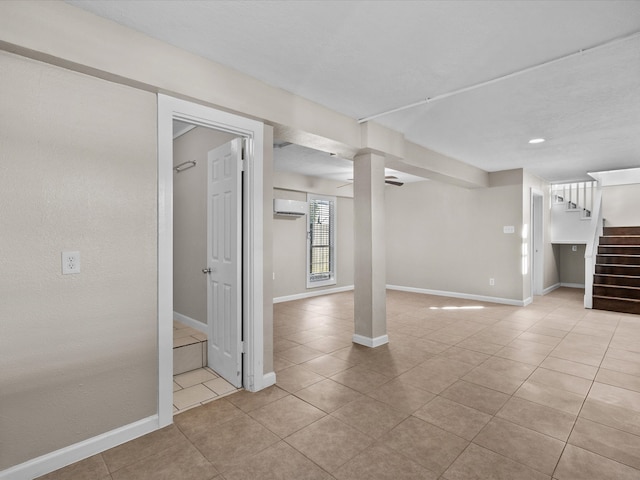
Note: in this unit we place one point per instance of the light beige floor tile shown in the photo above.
(328, 395)
(523, 445)
(465, 355)
(327, 365)
(562, 381)
(618, 379)
(369, 416)
(187, 358)
(248, 401)
(286, 415)
(145, 446)
(577, 463)
(200, 421)
(524, 356)
(277, 462)
(190, 396)
(572, 368)
(220, 386)
(296, 378)
(617, 396)
(453, 417)
(92, 467)
(189, 379)
(477, 463)
(430, 381)
(476, 396)
(380, 463)
(425, 444)
(611, 415)
(548, 421)
(529, 336)
(619, 365)
(185, 463)
(617, 445)
(400, 396)
(360, 379)
(329, 443)
(234, 441)
(300, 354)
(176, 387)
(551, 397)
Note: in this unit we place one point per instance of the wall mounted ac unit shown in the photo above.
(289, 208)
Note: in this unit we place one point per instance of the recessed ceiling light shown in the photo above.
(536, 140)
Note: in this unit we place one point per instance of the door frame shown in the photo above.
(537, 240)
(170, 108)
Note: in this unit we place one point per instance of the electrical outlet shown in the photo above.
(492, 281)
(70, 262)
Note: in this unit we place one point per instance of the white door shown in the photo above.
(224, 254)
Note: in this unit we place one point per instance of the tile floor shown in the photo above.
(195, 386)
(550, 390)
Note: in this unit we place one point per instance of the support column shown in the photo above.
(370, 256)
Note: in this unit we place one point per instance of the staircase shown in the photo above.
(616, 283)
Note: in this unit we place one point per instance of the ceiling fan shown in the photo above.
(389, 180)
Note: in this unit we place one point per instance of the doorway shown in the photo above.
(207, 262)
(537, 242)
(252, 374)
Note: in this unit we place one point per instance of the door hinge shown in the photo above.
(243, 347)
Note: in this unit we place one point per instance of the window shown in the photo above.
(321, 233)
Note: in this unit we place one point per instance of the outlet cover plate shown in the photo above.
(70, 263)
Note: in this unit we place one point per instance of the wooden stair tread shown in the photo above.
(603, 297)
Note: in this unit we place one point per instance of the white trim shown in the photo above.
(268, 379)
(370, 342)
(170, 108)
(57, 459)
(572, 285)
(551, 288)
(467, 296)
(527, 301)
(315, 293)
(190, 322)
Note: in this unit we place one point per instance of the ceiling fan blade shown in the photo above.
(391, 182)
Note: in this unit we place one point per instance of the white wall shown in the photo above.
(290, 243)
(78, 171)
(447, 238)
(620, 205)
(190, 221)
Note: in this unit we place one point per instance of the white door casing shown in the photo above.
(224, 261)
(254, 376)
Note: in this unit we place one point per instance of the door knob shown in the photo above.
(206, 270)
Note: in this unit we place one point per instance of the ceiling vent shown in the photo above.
(289, 208)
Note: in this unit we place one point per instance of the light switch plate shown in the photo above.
(509, 229)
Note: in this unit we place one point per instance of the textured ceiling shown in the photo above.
(365, 57)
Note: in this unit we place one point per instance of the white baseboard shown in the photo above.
(573, 285)
(527, 301)
(268, 379)
(50, 462)
(201, 327)
(466, 296)
(370, 342)
(551, 288)
(314, 293)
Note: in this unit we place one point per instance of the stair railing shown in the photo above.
(592, 246)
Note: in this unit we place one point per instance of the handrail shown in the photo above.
(591, 249)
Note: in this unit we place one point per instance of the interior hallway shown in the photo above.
(550, 390)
